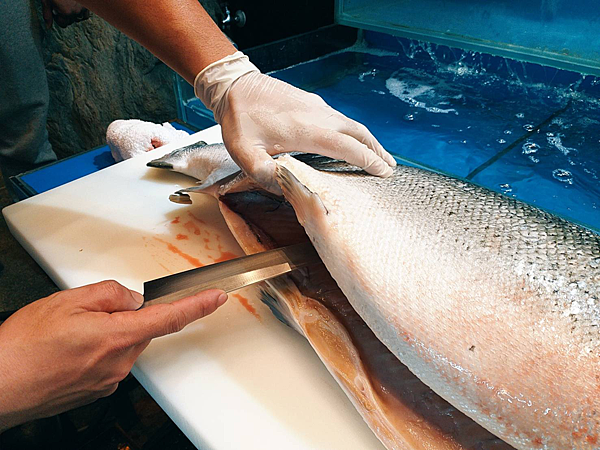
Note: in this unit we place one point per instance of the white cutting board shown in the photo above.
(238, 379)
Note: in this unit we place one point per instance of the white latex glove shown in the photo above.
(128, 138)
(261, 116)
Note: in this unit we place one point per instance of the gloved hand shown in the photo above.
(75, 346)
(129, 138)
(261, 116)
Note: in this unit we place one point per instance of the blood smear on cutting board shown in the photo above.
(225, 256)
(173, 249)
(246, 304)
(181, 237)
(191, 227)
(175, 220)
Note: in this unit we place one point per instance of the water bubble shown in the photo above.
(591, 172)
(459, 69)
(371, 73)
(507, 132)
(556, 141)
(561, 123)
(500, 141)
(534, 159)
(409, 117)
(529, 127)
(435, 126)
(530, 147)
(519, 115)
(505, 188)
(562, 175)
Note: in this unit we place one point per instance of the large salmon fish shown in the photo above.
(445, 311)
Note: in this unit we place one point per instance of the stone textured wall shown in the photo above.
(97, 75)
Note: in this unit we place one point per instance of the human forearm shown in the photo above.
(179, 32)
(9, 416)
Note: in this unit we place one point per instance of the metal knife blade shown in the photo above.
(230, 275)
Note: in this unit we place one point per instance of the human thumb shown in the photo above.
(262, 170)
(159, 320)
(254, 162)
(106, 296)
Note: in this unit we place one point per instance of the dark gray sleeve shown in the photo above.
(23, 86)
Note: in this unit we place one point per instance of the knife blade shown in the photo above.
(230, 275)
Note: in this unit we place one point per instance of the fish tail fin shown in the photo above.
(160, 164)
(166, 162)
(305, 202)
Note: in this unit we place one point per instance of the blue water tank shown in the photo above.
(557, 33)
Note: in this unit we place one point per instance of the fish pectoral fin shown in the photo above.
(305, 202)
(218, 174)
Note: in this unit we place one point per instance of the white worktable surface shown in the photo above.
(237, 379)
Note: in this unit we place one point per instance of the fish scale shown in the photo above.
(538, 236)
(491, 302)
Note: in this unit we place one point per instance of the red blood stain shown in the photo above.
(181, 237)
(592, 439)
(191, 227)
(246, 304)
(196, 218)
(194, 261)
(225, 256)
(175, 220)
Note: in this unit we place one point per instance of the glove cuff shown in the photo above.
(213, 82)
